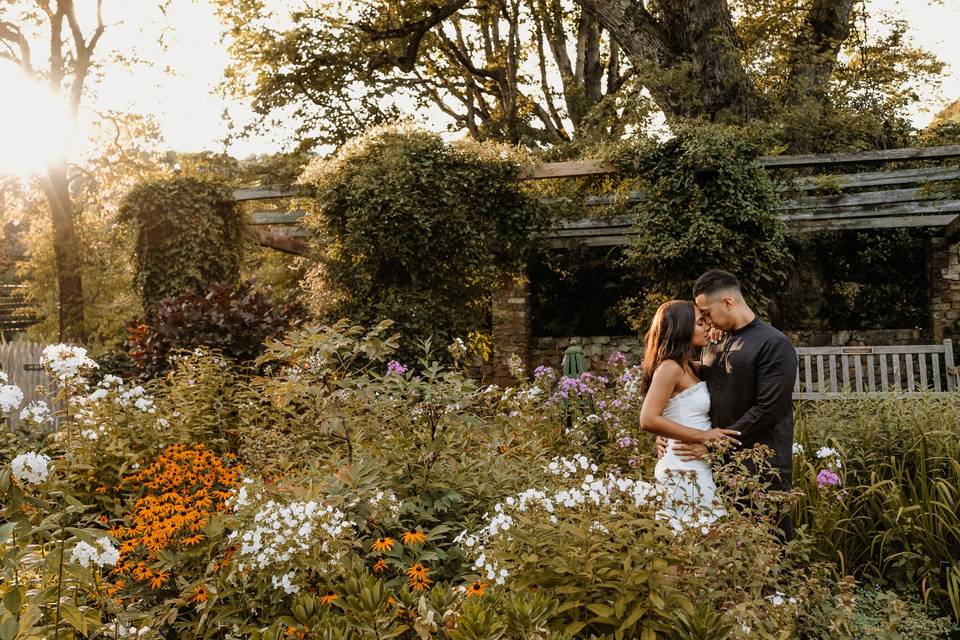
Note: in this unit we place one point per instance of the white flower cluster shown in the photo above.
(10, 398)
(285, 582)
(568, 467)
(111, 388)
(779, 598)
(610, 492)
(834, 461)
(66, 362)
(281, 532)
(30, 467)
(385, 504)
(102, 555)
(130, 632)
(797, 449)
(37, 413)
(138, 397)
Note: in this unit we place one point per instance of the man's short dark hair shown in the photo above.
(714, 281)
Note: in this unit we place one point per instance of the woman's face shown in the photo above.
(700, 328)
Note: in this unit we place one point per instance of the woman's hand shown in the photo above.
(722, 435)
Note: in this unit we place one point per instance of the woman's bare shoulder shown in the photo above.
(669, 369)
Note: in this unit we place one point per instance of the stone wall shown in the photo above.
(512, 335)
(511, 328)
(944, 289)
(598, 349)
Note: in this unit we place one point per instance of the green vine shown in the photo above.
(709, 204)
(190, 234)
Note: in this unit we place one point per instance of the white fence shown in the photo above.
(21, 362)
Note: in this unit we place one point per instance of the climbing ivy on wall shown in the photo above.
(190, 234)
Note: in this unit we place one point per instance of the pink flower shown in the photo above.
(394, 367)
(828, 477)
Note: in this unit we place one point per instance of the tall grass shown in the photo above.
(895, 521)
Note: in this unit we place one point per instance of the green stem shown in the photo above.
(63, 541)
(16, 576)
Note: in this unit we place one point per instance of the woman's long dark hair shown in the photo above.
(668, 338)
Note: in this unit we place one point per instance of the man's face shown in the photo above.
(717, 310)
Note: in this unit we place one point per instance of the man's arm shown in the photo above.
(776, 371)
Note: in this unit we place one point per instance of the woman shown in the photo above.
(676, 405)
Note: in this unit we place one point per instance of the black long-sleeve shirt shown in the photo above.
(751, 374)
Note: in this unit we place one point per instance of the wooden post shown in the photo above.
(949, 366)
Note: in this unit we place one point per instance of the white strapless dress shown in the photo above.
(688, 486)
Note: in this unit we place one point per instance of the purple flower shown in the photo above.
(394, 367)
(617, 360)
(627, 442)
(828, 477)
(542, 371)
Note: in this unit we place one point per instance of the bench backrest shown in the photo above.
(830, 372)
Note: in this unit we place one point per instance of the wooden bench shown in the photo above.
(837, 372)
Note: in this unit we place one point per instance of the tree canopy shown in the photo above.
(546, 73)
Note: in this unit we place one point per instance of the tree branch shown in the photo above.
(11, 35)
(413, 32)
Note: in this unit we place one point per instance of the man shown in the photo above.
(750, 374)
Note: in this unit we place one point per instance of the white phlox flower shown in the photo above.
(10, 398)
(65, 361)
(30, 467)
(103, 554)
(37, 413)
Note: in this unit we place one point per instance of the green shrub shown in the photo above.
(879, 614)
(190, 234)
(417, 230)
(710, 204)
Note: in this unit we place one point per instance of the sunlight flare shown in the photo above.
(36, 126)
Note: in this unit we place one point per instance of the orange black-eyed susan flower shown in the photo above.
(159, 579)
(476, 588)
(419, 584)
(200, 595)
(414, 537)
(418, 571)
(183, 487)
(380, 565)
(383, 545)
(330, 598)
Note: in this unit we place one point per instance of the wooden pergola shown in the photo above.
(878, 198)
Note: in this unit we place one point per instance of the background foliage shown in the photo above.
(235, 320)
(189, 235)
(711, 205)
(417, 230)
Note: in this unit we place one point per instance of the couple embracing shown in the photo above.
(740, 390)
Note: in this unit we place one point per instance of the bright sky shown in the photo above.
(189, 110)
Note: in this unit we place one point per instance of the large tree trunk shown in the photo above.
(688, 53)
(817, 46)
(66, 250)
(813, 58)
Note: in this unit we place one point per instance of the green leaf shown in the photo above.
(75, 617)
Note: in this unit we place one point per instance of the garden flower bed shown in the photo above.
(332, 491)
